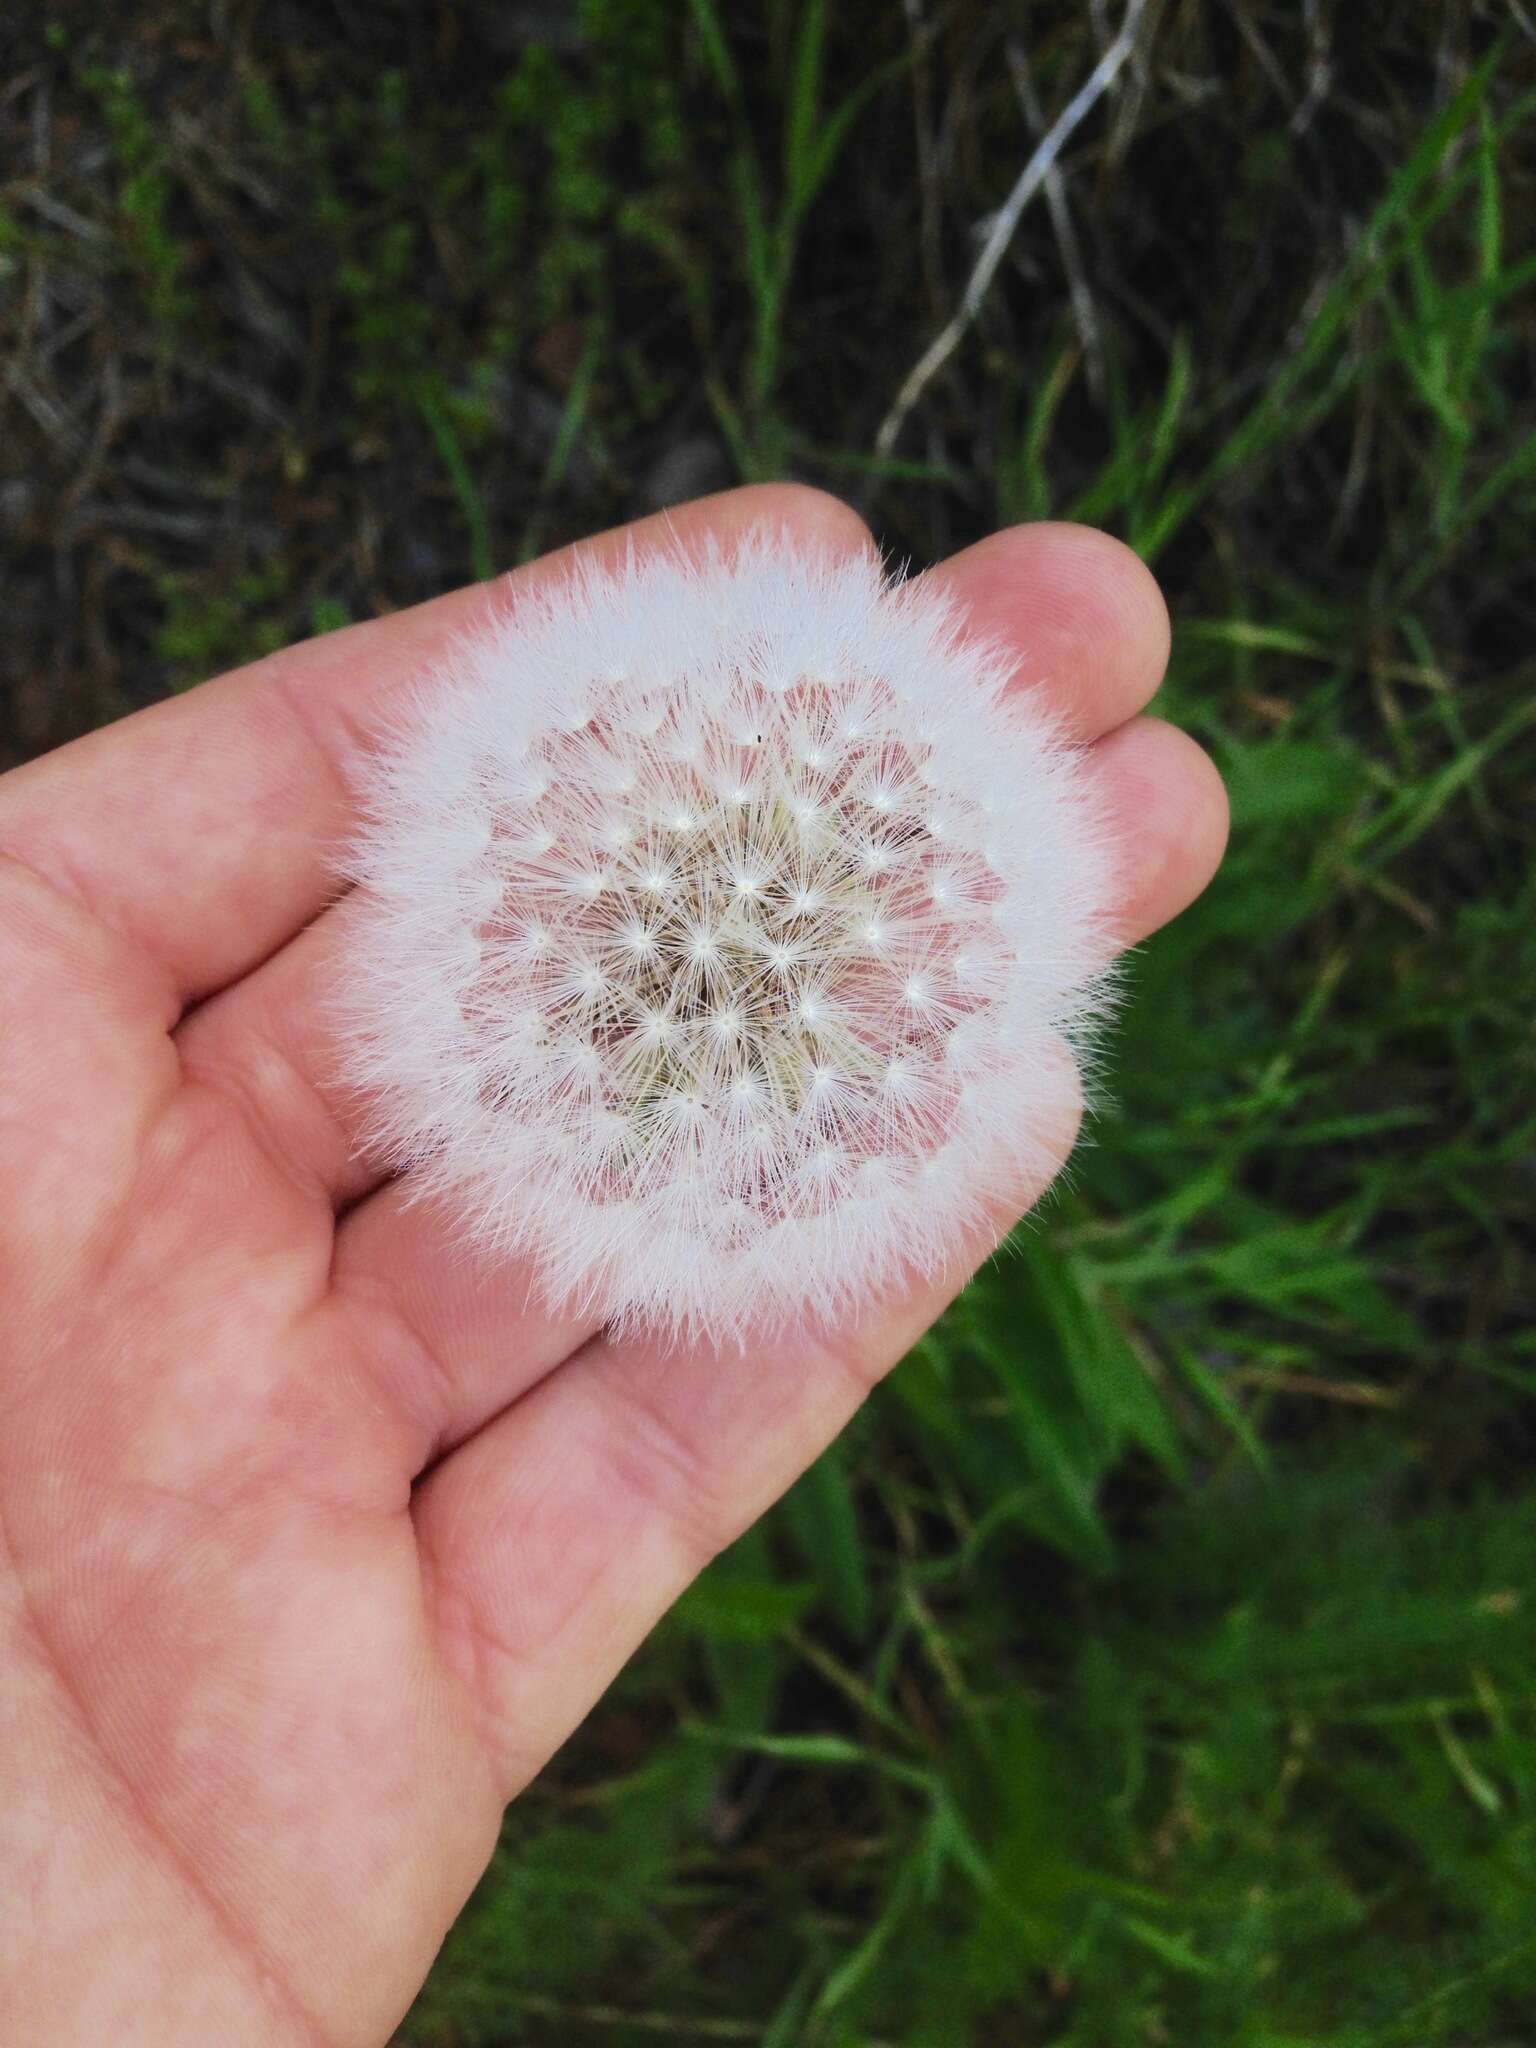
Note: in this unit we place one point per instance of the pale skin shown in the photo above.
(317, 1537)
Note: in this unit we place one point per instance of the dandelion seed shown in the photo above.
(753, 1041)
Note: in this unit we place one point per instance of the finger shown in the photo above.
(203, 828)
(446, 1332)
(556, 1538)
(1167, 808)
(269, 1046)
(464, 1335)
(1079, 616)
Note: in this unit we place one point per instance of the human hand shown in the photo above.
(319, 1536)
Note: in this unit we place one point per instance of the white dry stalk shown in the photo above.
(1004, 223)
(724, 930)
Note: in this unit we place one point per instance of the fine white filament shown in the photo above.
(722, 927)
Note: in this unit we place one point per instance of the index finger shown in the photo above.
(204, 829)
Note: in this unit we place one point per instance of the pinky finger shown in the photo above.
(1169, 811)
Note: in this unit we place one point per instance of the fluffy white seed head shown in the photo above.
(720, 926)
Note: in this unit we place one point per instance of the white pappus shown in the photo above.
(720, 922)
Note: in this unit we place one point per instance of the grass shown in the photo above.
(1153, 1662)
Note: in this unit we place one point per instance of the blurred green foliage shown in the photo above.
(1153, 1661)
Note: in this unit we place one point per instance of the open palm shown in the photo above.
(316, 1537)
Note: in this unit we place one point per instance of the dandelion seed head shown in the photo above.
(721, 924)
